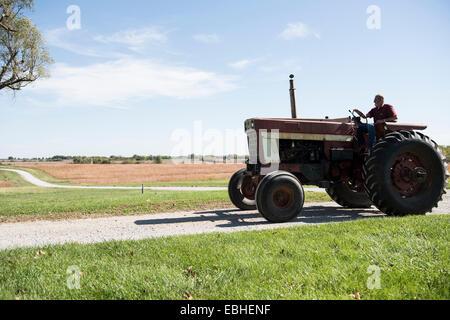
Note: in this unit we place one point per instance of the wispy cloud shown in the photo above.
(72, 41)
(124, 81)
(134, 38)
(298, 30)
(207, 38)
(82, 43)
(242, 64)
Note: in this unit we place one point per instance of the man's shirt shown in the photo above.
(384, 112)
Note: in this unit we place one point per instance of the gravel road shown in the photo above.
(39, 183)
(41, 233)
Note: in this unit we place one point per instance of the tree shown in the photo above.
(23, 56)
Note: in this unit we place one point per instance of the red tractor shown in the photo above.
(404, 174)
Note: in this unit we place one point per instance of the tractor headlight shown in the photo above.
(249, 124)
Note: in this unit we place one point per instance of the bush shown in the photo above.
(128, 161)
(100, 160)
(157, 160)
(93, 160)
(79, 160)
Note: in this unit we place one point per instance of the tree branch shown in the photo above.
(3, 25)
(12, 81)
(5, 68)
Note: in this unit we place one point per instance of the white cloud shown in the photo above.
(134, 37)
(121, 82)
(207, 38)
(298, 30)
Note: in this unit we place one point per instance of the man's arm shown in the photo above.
(362, 115)
(394, 118)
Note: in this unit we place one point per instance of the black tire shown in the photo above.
(280, 197)
(235, 193)
(388, 170)
(341, 193)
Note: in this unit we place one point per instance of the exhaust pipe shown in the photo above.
(292, 94)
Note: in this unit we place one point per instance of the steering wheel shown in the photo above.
(354, 116)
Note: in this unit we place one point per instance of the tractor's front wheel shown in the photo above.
(405, 174)
(241, 190)
(280, 197)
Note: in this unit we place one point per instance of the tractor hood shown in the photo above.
(306, 129)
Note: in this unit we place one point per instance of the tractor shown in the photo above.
(405, 172)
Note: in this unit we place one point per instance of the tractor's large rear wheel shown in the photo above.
(405, 174)
(241, 190)
(280, 197)
(344, 195)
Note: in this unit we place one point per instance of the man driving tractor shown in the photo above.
(382, 113)
(404, 175)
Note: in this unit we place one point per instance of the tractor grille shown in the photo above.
(252, 140)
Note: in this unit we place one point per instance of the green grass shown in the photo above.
(14, 179)
(34, 202)
(198, 183)
(194, 183)
(29, 203)
(327, 261)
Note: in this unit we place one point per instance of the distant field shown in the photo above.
(129, 174)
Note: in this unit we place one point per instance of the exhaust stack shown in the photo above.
(292, 94)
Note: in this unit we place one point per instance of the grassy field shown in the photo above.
(313, 262)
(24, 203)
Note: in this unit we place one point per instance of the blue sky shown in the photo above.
(138, 71)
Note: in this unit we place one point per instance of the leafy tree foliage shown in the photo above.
(23, 56)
